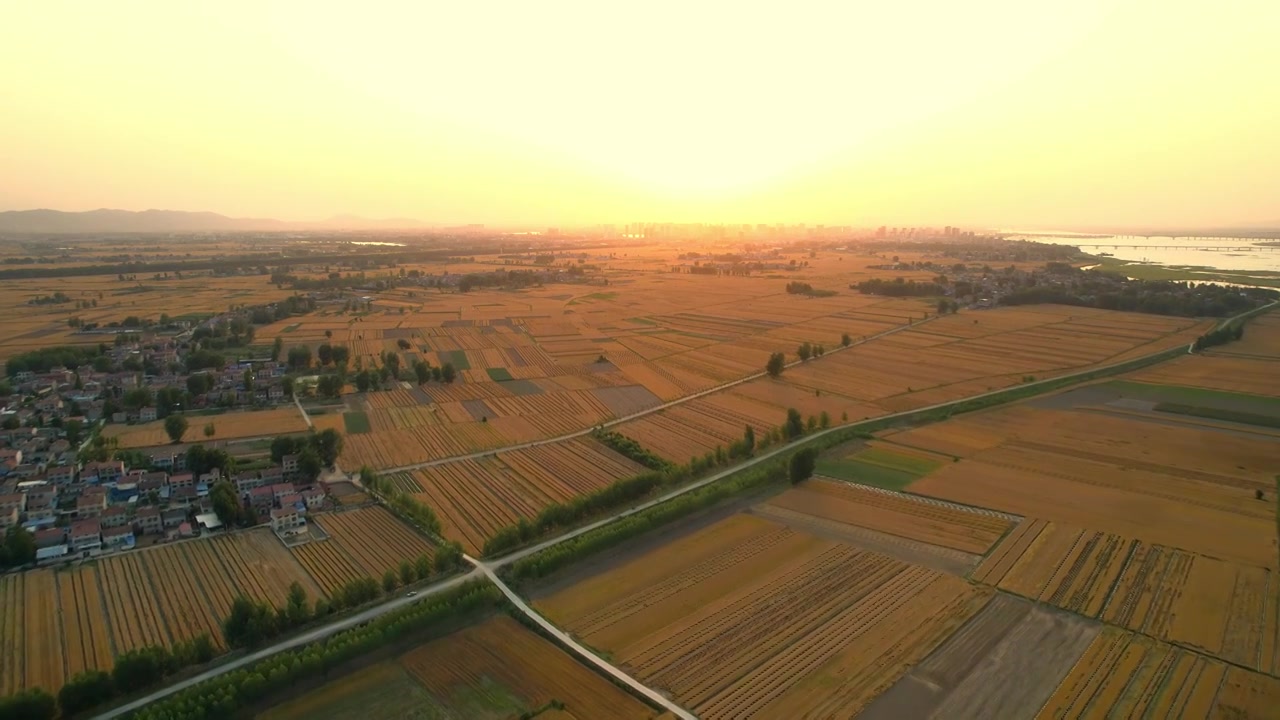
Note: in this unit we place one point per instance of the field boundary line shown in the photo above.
(641, 413)
(563, 637)
(928, 500)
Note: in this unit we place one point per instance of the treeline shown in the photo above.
(229, 693)
(402, 503)
(1155, 297)
(803, 288)
(1220, 335)
(559, 516)
(45, 359)
(898, 287)
(569, 551)
(630, 449)
(133, 671)
(227, 265)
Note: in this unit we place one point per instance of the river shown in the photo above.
(1174, 251)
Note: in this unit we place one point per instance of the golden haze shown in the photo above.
(993, 111)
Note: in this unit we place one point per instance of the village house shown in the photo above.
(287, 521)
(183, 497)
(113, 517)
(13, 501)
(8, 518)
(117, 538)
(50, 537)
(86, 536)
(110, 472)
(313, 497)
(280, 490)
(289, 465)
(91, 503)
(261, 498)
(173, 517)
(272, 475)
(147, 414)
(61, 474)
(148, 521)
(247, 481)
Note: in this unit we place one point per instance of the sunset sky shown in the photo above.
(989, 112)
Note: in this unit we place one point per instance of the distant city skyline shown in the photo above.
(996, 113)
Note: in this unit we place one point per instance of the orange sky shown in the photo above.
(994, 112)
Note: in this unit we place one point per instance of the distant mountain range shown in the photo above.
(166, 221)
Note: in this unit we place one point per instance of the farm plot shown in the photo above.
(227, 426)
(1219, 608)
(1127, 675)
(879, 467)
(42, 659)
(748, 618)
(967, 676)
(261, 566)
(474, 498)
(86, 641)
(374, 538)
(181, 597)
(916, 519)
(501, 660)
(12, 633)
(131, 603)
(328, 564)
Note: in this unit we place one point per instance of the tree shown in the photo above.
(407, 574)
(423, 372)
(448, 373)
(436, 374)
(448, 556)
(175, 426)
(137, 398)
(325, 353)
(210, 430)
(226, 503)
(309, 463)
(423, 566)
(300, 357)
(748, 440)
(72, 429)
(824, 420)
(276, 348)
(340, 354)
(19, 547)
(389, 582)
(33, 704)
(139, 668)
(943, 306)
(805, 351)
(845, 340)
(363, 381)
(86, 690)
(777, 361)
(328, 445)
(283, 445)
(794, 427)
(199, 383)
(297, 610)
(801, 465)
(247, 379)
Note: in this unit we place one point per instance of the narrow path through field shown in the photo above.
(635, 415)
(653, 695)
(486, 570)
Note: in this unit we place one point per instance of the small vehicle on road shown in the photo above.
(411, 593)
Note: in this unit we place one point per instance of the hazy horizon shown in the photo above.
(991, 114)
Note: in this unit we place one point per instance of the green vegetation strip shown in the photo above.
(499, 374)
(865, 473)
(292, 327)
(459, 359)
(1220, 414)
(1197, 397)
(356, 422)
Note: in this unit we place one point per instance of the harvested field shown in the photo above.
(12, 633)
(372, 537)
(1128, 675)
(710, 618)
(967, 676)
(526, 670)
(1219, 608)
(474, 498)
(896, 514)
(86, 642)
